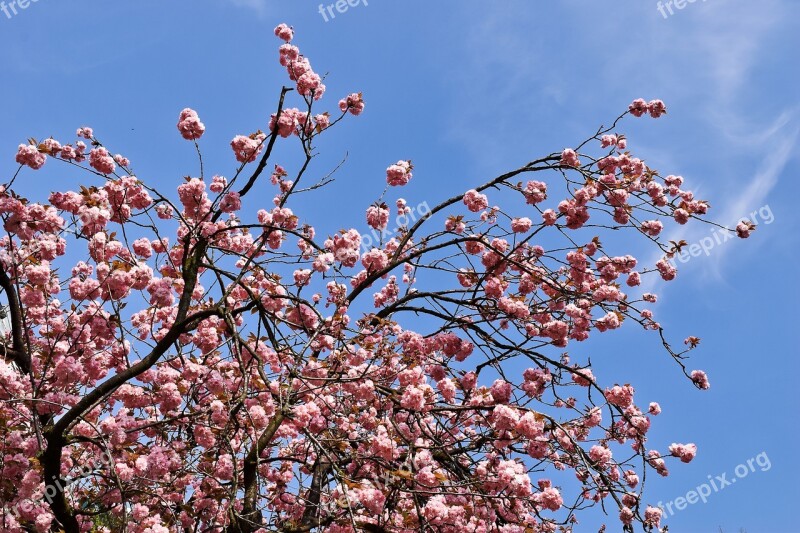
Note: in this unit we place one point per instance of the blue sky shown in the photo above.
(467, 89)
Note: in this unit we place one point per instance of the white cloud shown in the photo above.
(703, 60)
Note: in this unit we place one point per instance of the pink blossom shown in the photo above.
(101, 161)
(600, 454)
(638, 107)
(475, 201)
(652, 227)
(302, 316)
(744, 228)
(189, 125)
(247, 149)
(521, 225)
(378, 216)
(413, 399)
(501, 391)
(569, 158)
(700, 379)
(656, 108)
(230, 202)
(284, 32)
(345, 247)
(681, 216)
(399, 174)
(354, 103)
(29, 155)
(685, 452)
(667, 271)
(375, 260)
(535, 192)
(161, 294)
(621, 396)
(652, 516)
(550, 499)
(505, 417)
(584, 378)
(85, 132)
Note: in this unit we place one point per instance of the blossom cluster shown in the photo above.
(247, 384)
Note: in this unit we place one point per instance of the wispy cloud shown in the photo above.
(776, 144)
(701, 61)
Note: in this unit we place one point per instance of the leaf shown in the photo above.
(402, 474)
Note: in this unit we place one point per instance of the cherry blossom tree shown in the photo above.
(207, 368)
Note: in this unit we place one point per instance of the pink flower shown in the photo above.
(413, 399)
(189, 125)
(302, 317)
(667, 271)
(284, 32)
(585, 378)
(700, 379)
(29, 155)
(302, 277)
(501, 391)
(224, 468)
(549, 498)
(685, 452)
(475, 201)
(322, 121)
(399, 174)
(529, 426)
(402, 207)
(505, 417)
(375, 260)
(608, 140)
(447, 389)
(345, 247)
(654, 409)
(218, 184)
(230, 202)
(621, 396)
(652, 227)
(101, 161)
(521, 225)
(681, 216)
(535, 192)
(354, 103)
(247, 149)
(656, 108)
(638, 107)
(626, 516)
(455, 224)
(85, 132)
(652, 516)
(161, 294)
(634, 279)
(744, 228)
(569, 158)
(600, 454)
